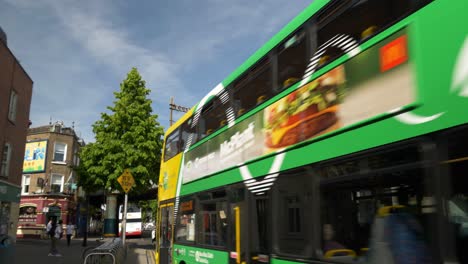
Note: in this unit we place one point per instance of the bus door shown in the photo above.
(238, 208)
(259, 228)
(249, 228)
(164, 235)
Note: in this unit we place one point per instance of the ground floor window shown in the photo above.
(27, 214)
(5, 209)
(456, 166)
(214, 223)
(185, 224)
(385, 198)
(293, 211)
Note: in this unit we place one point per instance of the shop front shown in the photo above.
(37, 210)
(9, 200)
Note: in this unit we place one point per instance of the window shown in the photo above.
(214, 116)
(263, 216)
(167, 220)
(76, 158)
(5, 214)
(56, 183)
(456, 166)
(131, 208)
(213, 219)
(12, 106)
(172, 147)
(26, 183)
(185, 226)
(6, 156)
(27, 214)
(360, 20)
(254, 88)
(60, 152)
(294, 214)
(398, 193)
(189, 134)
(292, 60)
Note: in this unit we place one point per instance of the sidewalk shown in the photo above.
(139, 251)
(37, 250)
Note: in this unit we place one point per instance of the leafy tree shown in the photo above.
(149, 209)
(127, 137)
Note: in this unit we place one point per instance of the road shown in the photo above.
(139, 251)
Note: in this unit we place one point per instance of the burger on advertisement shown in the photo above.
(307, 112)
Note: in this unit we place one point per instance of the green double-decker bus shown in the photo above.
(344, 139)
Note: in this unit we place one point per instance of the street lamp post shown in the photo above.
(174, 107)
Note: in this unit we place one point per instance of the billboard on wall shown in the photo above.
(35, 156)
(373, 82)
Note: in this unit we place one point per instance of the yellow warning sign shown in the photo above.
(126, 180)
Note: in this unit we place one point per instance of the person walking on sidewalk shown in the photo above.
(58, 235)
(70, 229)
(51, 231)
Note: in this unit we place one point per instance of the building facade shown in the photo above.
(15, 101)
(48, 187)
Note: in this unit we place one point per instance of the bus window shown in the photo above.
(213, 224)
(292, 59)
(172, 147)
(189, 134)
(389, 206)
(213, 116)
(293, 214)
(254, 88)
(457, 204)
(359, 20)
(185, 224)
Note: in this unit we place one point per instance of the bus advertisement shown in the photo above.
(344, 139)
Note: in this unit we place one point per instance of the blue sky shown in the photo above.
(78, 52)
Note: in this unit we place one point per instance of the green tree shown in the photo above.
(149, 209)
(128, 137)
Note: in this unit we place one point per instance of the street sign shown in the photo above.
(126, 180)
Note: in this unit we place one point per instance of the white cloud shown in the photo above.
(112, 47)
(77, 52)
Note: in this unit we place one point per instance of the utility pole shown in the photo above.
(174, 107)
(124, 219)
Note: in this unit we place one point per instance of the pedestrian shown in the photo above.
(70, 229)
(58, 235)
(60, 229)
(51, 231)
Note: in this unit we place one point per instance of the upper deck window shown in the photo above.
(213, 116)
(292, 59)
(360, 20)
(253, 88)
(189, 134)
(172, 147)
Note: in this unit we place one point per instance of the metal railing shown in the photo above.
(111, 251)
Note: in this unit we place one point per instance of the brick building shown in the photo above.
(15, 101)
(48, 188)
